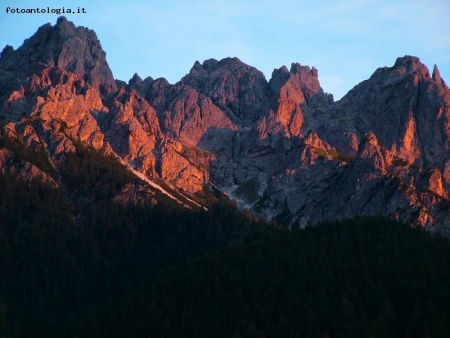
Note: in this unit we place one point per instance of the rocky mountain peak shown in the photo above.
(411, 65)
(309, 79)
(64, 46)
(239, 89)
(303, 72)
(211, 65)
(66, 27)
(299, 84)
(197, 67)
(382, 149)
(136, 80)
(230, 63)
(437, 76)
(279, 78)
(8, 49)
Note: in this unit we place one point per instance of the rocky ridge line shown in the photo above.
(282, 147)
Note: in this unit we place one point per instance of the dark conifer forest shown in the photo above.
(74, 263)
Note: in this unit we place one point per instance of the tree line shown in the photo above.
(73, 263)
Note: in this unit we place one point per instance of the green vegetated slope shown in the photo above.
(73, 263)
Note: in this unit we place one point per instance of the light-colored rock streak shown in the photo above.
(161, 189)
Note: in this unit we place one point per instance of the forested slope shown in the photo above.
(164, 271)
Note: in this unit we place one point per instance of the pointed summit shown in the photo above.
(437, 75)
(135, 80)
(64, 46)
(381, 149)
(8, 49)
(65, 26)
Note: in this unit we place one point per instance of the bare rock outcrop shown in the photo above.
(405, 107)
(282, 147)
(240, 90)
(75, 49)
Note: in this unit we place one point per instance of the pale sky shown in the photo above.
(345, 40)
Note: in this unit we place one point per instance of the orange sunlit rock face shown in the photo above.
(281, 147)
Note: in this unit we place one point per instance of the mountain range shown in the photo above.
(281, 148)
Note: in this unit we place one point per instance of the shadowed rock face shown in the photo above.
(281, 147)
(406, 108)
(239, 90)
(75, 49)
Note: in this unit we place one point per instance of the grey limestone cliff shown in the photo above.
(282, 147)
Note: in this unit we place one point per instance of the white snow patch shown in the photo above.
(161, 189)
